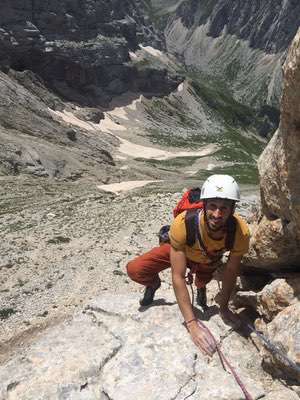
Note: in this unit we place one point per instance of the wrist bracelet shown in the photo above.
(185, 323)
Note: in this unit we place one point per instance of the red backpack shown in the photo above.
(189, 200)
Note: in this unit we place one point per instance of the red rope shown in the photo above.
(225, 363)
(223, 359)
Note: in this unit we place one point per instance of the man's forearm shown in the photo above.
(178, 265)
(228, 284)
(229, 280)
(183, 298)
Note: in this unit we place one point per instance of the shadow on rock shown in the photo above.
(207, 314)
(155, 303)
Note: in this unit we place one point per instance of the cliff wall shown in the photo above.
(242, 42)
(79, 46)
(276, 238)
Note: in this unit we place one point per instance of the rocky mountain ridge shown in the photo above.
(87, 55)
(244, 43)
(52, 53)
(76, 47)
(269, 26)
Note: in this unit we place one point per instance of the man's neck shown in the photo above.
(217, 235)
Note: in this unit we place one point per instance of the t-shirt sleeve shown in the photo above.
(177, 233)
(242, 238)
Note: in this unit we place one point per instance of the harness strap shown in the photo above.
(230, 236)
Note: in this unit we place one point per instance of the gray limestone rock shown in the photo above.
(34, 141)
(244, 43)
(272, 299)
(62, 362)
(89, 114)
(263, 24)
(71, 42)
(284, 331)
(116, 351)
(283, 394)
(276, 236)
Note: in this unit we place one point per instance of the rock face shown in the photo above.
(285, 172)
(275, 243)
(80, 52)
(277, 305)
(243, 42)
(81, 49)
(32, 141)
(116, 352)
(276, 237)
(263, 24)
(284, 330)
(59, 250)
(272, 299)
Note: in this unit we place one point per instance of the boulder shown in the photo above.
(276, 236)
(89, 114)
(276, 296)
(284, 332)
(283, 394)
(272, 245)
(272, 299)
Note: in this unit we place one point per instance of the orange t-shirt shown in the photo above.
(194, 253)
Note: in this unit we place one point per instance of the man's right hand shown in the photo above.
(202, 338)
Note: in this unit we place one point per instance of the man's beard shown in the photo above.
(215, 227)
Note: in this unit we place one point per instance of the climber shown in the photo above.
(219, 229)
(220, 194)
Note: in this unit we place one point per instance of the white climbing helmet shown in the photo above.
(220, 186)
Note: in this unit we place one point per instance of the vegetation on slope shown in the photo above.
(206, 113)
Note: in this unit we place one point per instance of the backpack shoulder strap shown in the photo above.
(192, 228)
(191, 225)
(230, 236)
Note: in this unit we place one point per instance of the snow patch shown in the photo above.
(136, 150)
(124, 186)
(132, 55)
(70, 118)
(151, 50)
(180, 87)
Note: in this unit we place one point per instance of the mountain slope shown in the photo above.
(242, 42)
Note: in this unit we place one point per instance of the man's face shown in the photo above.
(218, 212)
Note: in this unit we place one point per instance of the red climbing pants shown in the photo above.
(145, 268)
